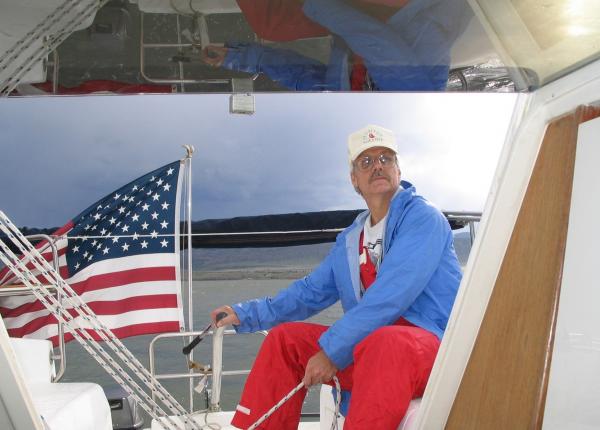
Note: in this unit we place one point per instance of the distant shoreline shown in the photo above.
(250, 273)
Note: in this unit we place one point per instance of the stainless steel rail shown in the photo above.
(216, 368)
(61, 355)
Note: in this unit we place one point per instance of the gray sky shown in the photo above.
(61, 154)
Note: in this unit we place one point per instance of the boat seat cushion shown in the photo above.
(327, 409)
(72, 406)
(34, 357)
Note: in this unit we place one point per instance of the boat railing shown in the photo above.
(465, 219)
(214, 370)
(59, 356)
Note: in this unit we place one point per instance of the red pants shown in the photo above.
(391, 367)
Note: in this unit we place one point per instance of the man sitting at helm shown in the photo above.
(396, 274)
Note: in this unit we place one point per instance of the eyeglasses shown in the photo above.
(367, 162)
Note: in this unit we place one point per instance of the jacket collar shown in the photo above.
(402, 196)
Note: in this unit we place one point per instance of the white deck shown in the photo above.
(224, 418)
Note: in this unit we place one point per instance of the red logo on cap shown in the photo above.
(371, 136)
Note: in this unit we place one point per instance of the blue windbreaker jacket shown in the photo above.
(409, 52)
(418, 279)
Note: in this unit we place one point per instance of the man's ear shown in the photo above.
(353, 179)
(354, 182)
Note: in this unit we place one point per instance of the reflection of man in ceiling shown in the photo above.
(283, 20)
(403, 44)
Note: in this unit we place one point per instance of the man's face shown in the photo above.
(376, 172)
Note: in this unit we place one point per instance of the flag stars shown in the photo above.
(117, 225)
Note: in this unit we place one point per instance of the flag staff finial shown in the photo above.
(189, 149)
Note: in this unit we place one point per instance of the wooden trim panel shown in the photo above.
(504, 384)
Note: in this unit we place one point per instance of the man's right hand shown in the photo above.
(231, 317)
(214, 55)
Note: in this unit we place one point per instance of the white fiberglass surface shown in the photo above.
(574, 385)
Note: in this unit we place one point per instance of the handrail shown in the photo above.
(181, 80)
(216, 369)
(61, 357)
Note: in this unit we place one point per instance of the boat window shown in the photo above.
(545, 39)
(60, 154)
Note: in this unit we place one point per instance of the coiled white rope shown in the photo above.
(334, 424)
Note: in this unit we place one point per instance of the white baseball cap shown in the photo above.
(370, 136)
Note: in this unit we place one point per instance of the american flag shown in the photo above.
(121, 255)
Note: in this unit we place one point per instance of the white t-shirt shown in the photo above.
(373, 240)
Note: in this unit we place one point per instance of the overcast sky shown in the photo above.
(61, 154)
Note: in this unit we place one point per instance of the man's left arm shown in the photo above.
(404, 273)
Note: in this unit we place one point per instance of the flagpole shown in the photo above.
(188, 210)
(188, 159)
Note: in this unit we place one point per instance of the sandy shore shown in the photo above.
(251, 273)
